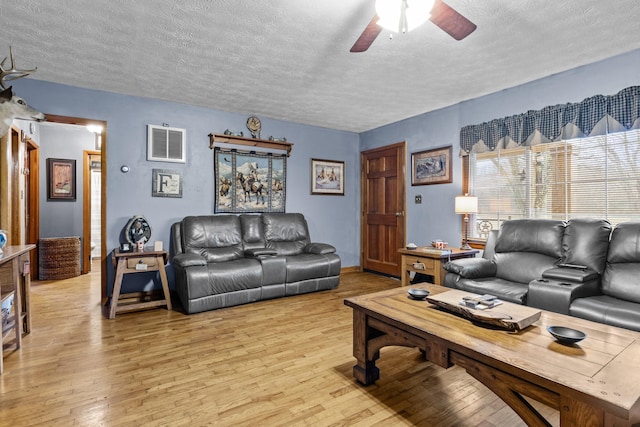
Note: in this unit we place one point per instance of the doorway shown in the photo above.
(383, 177)
(96, 213)
(91, 222)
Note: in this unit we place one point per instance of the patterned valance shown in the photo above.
(623, 107)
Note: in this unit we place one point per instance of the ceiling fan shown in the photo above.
(404, 15)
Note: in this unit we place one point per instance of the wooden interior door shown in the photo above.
(383, 204)
(32, 199)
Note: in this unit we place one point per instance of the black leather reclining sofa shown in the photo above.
(581, 267)
(227, 260)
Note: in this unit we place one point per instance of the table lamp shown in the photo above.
(466, 205)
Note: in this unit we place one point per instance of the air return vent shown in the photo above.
(165, 144)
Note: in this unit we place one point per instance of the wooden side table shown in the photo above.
(138, 262)
(15, 280)
(431, 261)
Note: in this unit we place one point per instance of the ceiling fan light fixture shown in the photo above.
(403, 15)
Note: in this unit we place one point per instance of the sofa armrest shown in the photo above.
(472, 268)
(188, 260)
(572, 275)
(319, 248)
(554, 295)
(259, 252)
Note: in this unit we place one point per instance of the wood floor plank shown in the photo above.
(283, 362)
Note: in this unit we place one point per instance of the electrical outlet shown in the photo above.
(418, 199)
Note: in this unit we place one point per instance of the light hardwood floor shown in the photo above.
(282, 362)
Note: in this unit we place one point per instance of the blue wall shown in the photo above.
(434, 218)
(332, 219)
(62, 218)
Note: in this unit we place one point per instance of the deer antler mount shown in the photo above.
(13, 73)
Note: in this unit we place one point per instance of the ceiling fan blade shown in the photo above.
(450, 21)
(368, 36)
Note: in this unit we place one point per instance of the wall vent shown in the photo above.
(165, 144)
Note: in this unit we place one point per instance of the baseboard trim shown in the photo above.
(354, 269)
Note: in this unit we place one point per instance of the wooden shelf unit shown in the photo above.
(250, 142)
(15, 280)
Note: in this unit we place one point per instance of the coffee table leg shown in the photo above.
(365, 370)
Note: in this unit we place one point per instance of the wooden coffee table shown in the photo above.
(593, 383)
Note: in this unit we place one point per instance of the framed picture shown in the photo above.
(61, 179)
(327, 177)
(166, 183)
(431, 166)
(249, 182)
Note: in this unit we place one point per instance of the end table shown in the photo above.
(431, 261)
(138, 262)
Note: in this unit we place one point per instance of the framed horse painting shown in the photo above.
(249, 182)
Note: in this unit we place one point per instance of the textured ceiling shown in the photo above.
(290, 60)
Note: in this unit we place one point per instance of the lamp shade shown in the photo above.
(466, 204)
(403, 15)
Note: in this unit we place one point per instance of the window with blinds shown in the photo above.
(594, 177)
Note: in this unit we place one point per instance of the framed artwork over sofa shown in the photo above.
(249, 182)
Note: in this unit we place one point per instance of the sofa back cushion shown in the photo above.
(543, 236)
(522, 267)
(586, 242)
(526, 247)
(217, 238)
(620, 279)
(252, 231)
(287, 233)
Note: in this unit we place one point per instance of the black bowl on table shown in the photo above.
(566, 335)
(418, 293)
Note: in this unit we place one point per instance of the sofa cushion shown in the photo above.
(252, 231)
(543, 236)
(620, 278)
(585, 242)
(217, 238)
(608, 310)
(503, 289)
(311, 266)
(522, 267)
(286, 233)
(228, 276)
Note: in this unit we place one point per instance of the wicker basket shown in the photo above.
(58, 258)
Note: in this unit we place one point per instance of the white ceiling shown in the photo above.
(290, 59)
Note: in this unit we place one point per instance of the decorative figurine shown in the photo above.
(229, 133)
(272, 138)
(254, 125)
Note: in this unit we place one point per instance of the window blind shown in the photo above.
(592, 177)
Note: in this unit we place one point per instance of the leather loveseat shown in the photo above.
(579, 267)
(226, 260)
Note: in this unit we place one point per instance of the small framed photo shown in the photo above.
(327, 177)
(61, 179)
(166, 183)
(431, 166)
